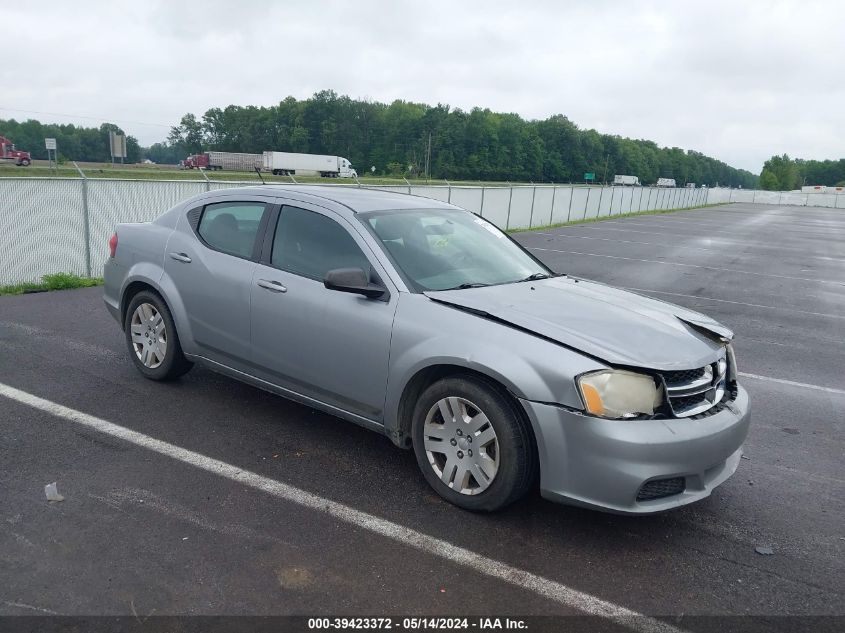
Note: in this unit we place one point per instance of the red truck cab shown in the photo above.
(9, 153)
(195, 161)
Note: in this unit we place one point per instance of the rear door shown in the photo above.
(324, 344)
(211, 257)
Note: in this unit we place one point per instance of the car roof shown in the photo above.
(356, 199)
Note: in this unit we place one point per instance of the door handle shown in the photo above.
(180, 257)
(273, 286)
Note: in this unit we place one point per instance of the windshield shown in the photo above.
(446, 249)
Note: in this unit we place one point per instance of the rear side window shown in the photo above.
(231, 227)
(311, 244)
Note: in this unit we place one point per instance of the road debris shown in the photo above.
(765, 550)
(52, 492)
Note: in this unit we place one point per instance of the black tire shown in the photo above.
(517, 450)
(174, 363)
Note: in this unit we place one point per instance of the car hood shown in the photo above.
(615, 326)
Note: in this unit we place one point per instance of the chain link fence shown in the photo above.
(50, 225)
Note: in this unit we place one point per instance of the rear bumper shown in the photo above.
(603, 464)
(113, 275)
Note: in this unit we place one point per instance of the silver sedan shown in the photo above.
(425, 322)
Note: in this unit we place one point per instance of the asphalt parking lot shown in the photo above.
(141, 533)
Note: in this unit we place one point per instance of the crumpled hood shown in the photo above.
(616, 326)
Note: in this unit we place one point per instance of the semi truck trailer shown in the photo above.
(288, 163)
(665, 182)
(628, 181)
(219, 161)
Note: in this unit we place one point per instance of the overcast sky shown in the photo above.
(738, 80)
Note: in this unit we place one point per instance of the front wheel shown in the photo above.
(152, 339)
(472, 443)
(24, 163)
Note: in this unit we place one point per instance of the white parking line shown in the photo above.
(520, 578)
(598, 226)
(657, 261)
(792, 383)
(738, 303)
(685, 246)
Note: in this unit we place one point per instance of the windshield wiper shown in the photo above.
(536, 276)
(464, 286)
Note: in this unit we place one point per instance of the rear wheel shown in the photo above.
(152, 339)
(473, 444)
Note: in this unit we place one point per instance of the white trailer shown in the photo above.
(665, 182)
(628, 181)
(822, 189)
(285, 163)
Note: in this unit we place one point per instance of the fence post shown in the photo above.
(86, 224)
(407, 183)
(552, 212)
(510, 199)
(481, 209)
(207, 181)
(587, 203)
(449, 198)
(531, 215)
(571, 195)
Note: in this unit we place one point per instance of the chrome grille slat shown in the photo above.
(694, 391)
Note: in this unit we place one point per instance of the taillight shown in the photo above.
(113, 245)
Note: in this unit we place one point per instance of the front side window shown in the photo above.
(310, 244)
(231, 227)
(446, 249)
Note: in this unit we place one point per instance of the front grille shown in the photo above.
(660, 488)
(692, 392)
(683, 376)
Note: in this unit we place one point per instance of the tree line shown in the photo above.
(73, 142)
(475, 145)
(782, 173)
(401, 139)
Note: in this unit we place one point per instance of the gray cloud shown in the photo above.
(736, 80)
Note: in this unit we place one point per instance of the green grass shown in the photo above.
(614, 217)
(56, 281)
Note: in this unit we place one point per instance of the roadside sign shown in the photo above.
(117, 146)
(373, 169)
(590, 175)
(50, 146)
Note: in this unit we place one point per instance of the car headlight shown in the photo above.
(619, 394)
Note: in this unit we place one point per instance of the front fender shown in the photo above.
(427, 334)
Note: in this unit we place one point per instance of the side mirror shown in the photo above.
(352, 280)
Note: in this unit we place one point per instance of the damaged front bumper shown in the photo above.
(617, 465)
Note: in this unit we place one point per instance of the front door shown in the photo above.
(324, 344)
